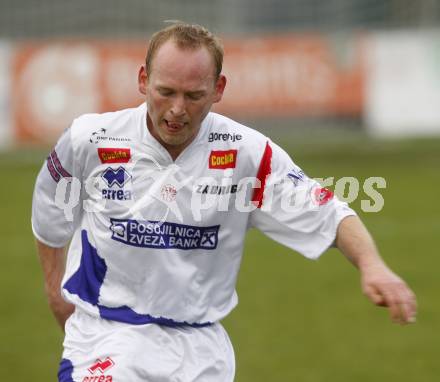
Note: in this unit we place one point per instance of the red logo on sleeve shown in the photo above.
(322, 196)
(221, 160)
(114, 155)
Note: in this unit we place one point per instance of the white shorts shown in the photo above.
(97, 350)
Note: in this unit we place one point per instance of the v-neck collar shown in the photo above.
(148, 138)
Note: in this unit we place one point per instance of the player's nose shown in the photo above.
(178, 106)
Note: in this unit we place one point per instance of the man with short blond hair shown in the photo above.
(165, 194)
(186, 37)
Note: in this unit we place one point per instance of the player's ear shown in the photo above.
(219, 88)
(142, 80)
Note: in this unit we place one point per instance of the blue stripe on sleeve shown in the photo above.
(65, 371)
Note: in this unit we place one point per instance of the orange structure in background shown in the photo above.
(284, 76)
(292, 76)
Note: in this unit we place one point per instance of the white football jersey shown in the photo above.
(161, 241)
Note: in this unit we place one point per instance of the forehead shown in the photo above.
(182, 67)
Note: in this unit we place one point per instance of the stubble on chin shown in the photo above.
(173, 139)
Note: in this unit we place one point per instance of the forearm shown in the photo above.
(381, 285)
(356, 243)
(52, 263)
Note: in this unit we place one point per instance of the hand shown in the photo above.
(61, 309)
(385, 288)
(52, 261)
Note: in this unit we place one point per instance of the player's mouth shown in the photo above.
(174, 126)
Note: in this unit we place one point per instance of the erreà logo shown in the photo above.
(119, 176)
(100, 367)
(114, 155)
(221, 160)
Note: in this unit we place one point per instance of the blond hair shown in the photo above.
(186, 36)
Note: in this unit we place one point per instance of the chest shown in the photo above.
(200, 187)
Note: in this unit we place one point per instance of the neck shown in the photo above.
(173, 151)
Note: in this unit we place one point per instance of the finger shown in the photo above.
(407, 303)
(402, 304)
(413, 299)
(393, 303)
(398, 298)
(405, 317)
(395, 312)
(409, 306)
(375, 296)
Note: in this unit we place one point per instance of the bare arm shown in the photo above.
(52, 262)
(382, 286)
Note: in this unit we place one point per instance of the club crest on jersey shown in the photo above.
(118, 178)
(98, 370)
(114, 155)
(222, 159)
(168, 192)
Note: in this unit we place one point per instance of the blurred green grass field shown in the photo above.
(297, 320)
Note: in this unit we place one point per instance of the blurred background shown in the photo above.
(351, 88)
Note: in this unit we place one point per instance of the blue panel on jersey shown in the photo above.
(65, 371)
(125, 314)
(87, 280)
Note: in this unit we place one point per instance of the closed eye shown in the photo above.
(165, 92)
(195, 96)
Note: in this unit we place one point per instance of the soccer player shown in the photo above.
(155, 202)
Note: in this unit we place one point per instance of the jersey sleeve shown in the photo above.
(294, 209)
(55, 203)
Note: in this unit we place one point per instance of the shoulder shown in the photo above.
(92, 127)
(90, 133)
(253, 150)
(226, 131)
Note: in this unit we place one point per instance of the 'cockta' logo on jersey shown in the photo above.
(114, 155)
(100, 367)
(220, 159)
(118, 177)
